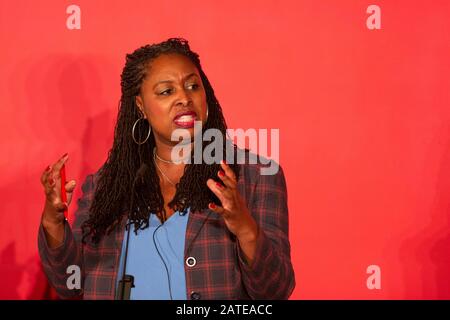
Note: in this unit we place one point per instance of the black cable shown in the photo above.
(165, 266)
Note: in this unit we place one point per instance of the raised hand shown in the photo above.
(234, 210)
(54, 207)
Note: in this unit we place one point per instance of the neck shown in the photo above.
(169, 173)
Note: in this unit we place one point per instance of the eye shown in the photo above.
(166, 92)
(193, 86)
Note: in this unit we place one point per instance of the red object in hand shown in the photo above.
(62, 173)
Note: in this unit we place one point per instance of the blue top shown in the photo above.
(151, 278)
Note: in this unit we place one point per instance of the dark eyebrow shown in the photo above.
(170, 81)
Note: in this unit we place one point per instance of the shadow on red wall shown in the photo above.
(425, 256)
(72, 117)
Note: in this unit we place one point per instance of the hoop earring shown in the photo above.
(207, 110)
(134, 127)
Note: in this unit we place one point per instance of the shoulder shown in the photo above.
(257, 169)
(262, 183)
(255, 165)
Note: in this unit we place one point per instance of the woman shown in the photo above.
(198, 231)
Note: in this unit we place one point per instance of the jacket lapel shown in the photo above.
(196, 221)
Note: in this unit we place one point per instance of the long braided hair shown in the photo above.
(128, 183)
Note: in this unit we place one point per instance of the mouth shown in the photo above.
(185, 119)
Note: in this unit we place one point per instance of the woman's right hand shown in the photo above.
(53, 215)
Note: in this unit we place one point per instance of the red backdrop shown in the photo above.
(363, 117)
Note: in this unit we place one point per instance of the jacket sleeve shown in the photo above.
(62, 264)
(271, 275)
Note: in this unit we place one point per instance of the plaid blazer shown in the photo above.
(220, 271)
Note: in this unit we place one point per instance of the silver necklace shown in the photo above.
(163, 160)
(156, 164)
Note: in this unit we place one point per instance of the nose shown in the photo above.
(184, 97)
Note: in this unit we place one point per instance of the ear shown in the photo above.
(140, 104)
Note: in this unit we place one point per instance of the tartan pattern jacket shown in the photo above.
(219, 271)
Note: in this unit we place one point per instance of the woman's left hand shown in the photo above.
(234, 211)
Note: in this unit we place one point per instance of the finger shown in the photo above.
(45, 174)
(50, 185)
(69, 198)
(226, 180)
(70, 186)
(58, 164)
(217, 209)
(217, 189)
(228, 172)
